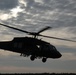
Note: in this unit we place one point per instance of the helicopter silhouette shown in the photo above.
(32, 46)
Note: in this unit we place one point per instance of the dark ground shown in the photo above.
(37, 73)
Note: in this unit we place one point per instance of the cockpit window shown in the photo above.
(17, 45)
(54, 48)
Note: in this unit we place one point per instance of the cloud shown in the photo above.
(4, 16)
(8, 4)
(7, 53)
(62, 32)
(24, 66)
(13, 69)
(9, 9)
(68, 56)
(41, 13)
(13, 13)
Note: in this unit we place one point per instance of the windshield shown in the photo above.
(52, 47)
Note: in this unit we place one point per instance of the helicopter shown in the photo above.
(32, 46)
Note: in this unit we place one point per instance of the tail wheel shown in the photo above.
(44, 60)
(32, 58)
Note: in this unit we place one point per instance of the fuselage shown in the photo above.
(31, 46)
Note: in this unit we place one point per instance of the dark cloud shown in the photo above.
(51, 12)
(36, 14)
(8, 4)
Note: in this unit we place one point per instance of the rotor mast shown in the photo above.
(36, 34)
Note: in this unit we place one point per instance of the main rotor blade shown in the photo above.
(57, 38)
(14, 28)
(46, 28)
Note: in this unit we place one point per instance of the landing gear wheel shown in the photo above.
(44, 60)
(32, 58)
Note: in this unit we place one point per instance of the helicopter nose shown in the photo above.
(56, 55)
(59, 55)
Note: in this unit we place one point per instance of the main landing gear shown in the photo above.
(44, 60)
(32, 58)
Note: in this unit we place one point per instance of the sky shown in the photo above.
(32, 15)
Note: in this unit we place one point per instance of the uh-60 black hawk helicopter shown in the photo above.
(32, 46)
